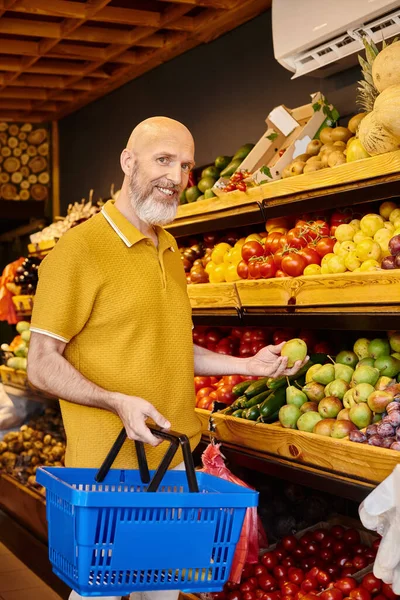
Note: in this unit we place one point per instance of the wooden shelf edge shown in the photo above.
(25, 505)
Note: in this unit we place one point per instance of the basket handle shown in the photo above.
(175, 439)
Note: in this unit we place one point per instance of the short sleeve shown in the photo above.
(67, 288)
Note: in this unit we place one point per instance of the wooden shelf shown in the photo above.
(368, 180)
(334, 460)
(25, 505)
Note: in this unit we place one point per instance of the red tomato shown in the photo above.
(296, 239)
(313, 572)
(289, 543)
(326, 555)
(342, 560)
(225, 394)
(245, 350)
(200, 339)
(318, 534)
(267, 583)
(204, 392)
(204, 402)
(280, 273)
(279, 254)
(332, 230)
(306, 539)
(260, 570)
(289, 588)
(269, 560)
(288, 562)
(345, 585)
(323, 578)
(310, 583)
(381, 597)
(280, 572)
(299, 552)
(295, 575)
(242, 270)
(250, 249)
(259, 593)
(279, 552)
(254, 269)
(235, 595)
(332, 594)
(371, 583)
(219, 596)
(312, 548)
(246, 587)
(248, 596)
(271, 596)
(236, 332)
(272, 242)
(268, 268)
(201, 382)
(325, 246)
(360, 562)
(339, 217)
(348, 571)
(360, 593)
(230, 585)
(322, 227)
(213, 336)
(283, 241)
(338, 548)
(388, 592)
(328, 541)
(351, 537)
(293, 264)
(310, 255)
(333, 571)
(256, 347)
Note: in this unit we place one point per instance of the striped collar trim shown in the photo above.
(122, 227)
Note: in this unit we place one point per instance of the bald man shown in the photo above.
(111, 326)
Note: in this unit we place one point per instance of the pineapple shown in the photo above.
(367, 91)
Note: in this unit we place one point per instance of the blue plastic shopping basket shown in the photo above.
(108, 537)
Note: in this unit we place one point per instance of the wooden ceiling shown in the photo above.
(59, 55)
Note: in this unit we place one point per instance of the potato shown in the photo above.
(336, 158)
(341, 134)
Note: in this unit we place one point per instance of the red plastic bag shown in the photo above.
(252, 536)
(7, 309)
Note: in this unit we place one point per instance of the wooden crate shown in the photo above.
(365, 463)
(27, 506)
(206, 295)
(41, 248)
(23, 305)
(204, 417)
(342, 289)
(14, 377)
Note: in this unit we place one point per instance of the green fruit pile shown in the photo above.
(224, 166)
(348, 394)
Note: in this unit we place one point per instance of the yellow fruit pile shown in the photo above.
(362, 244)
(224, 261)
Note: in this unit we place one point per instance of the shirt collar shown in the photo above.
(128, 233)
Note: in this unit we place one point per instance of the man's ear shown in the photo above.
(127, 161)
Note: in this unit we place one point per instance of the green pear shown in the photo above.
(394, 340)
(325, 374)
(347, 357)
(388, 365)
(337, 388)
(311, 371)
(289, 415)
(295, 396)
(361, 415)
(308, 421)
(378, 347)
(343, 415)
(362, 391)
(314, 391)
(361, 348)
(365, 374)
(396, 355)
(367, 361)
(343, 372)
(348, 399)
(330, 407)
(309, 406)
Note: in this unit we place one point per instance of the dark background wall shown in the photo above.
(222, 91)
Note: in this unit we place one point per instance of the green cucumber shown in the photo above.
(256, 387)
(271, 419)
(276, 384)
(257, 399)
(238, 414)
(227, 411)
(232, 167)
(240, 388)
(273, 403)
(252, 414)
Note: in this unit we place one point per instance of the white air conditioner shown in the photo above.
(321, 37)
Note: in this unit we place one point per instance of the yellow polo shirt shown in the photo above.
(121, 306)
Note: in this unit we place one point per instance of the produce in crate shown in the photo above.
(14, 355)
(27, 276)
(300, 567)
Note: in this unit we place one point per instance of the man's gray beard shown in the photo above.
(150, 210)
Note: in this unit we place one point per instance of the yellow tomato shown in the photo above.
(254, 236)
(240, 243)
(228, 257)
(236, 255)
(217, 255)
(218, 274)
(277, 222)
(231, 273)
(370, 265)
(337, 265)
(279, 230)
(312, 270)
(210, 267)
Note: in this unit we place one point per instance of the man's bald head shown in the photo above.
(155, 129)
(157, 161)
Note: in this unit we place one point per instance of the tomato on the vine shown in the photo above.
(293, 264)
(201, 382)
(272, 242)
(267, 268)
(243, 270)
(322, 226)
(296, 239)
(325, 246)
(254, 269)
(252, 248)
(311, 255)
(338, 218)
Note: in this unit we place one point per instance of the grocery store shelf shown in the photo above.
(302, 457)
(368, 180)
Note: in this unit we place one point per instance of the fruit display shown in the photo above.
(320, 562)
(26, 278)
(41, 442)
(341, 397)
(14, 355)
(224, 167)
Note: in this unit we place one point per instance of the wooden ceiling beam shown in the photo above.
(41, 81)
(77, 51)
(53, 67)
(223, 4)
(10, 64)
(15, 103)
(30, 28)
(34, 117)
(19, 48)
(29, 94)
(100, 35)
(55, 8)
